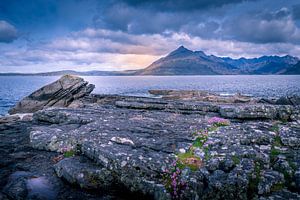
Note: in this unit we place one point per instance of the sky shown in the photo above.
(84, 35)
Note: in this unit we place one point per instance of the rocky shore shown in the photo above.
(176, 145)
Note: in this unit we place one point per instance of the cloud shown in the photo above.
(107, 41)
(179, 5)
(8, 32)
(130, 34)
(101, 49)
(237, 20)
(156, 17)
(265, 27)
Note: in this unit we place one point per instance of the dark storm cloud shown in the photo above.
(48, 18)
(138, 17)
(263, 27)
(8, 32)
(203, 18)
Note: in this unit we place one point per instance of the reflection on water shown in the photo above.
(39, 188)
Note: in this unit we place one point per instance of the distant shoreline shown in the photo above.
(127, 74)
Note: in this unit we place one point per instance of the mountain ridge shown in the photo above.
(183, 61)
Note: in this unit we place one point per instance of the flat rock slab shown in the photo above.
(233, 111)
(136, 146)
(198, 95)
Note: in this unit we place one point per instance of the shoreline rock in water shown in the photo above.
(60, 93)
(129, 148)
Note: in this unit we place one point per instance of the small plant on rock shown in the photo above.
(173, 181)
(189, 160)
(68, 152)
(201, 138)
(218, 121)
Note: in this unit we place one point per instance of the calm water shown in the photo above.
(14, 88)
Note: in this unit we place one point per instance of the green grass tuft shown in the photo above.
(236, 159)
(277, 141)
(69, 154)
(277, 187)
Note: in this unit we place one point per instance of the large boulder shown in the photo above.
(60, 93)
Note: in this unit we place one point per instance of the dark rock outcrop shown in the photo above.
(60, 93)
(84, 173)
(289, 100)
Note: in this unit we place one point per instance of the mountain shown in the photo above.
(183, 61)
(186, 62)
(263, 65)
(72, 72)
(295, 69)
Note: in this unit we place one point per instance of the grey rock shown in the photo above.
(9, 119)
(289, 100)
(297, 179)
(295, 116)
(284, 112)
(3, 196)
(84, 173)
(259, 111)
(290, 136)
(197, 95)
(137, 145)
(270, 180)
(213, 164)
(227, 186)
(120, 141)
(267, 101)
(16, 188)
(171, 106)
(49, 115)
(227, 164)
(283, 166)
(59, 93)
(281, 195)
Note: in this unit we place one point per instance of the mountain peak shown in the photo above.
(180, 50)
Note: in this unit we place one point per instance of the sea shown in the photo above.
(14, 88)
